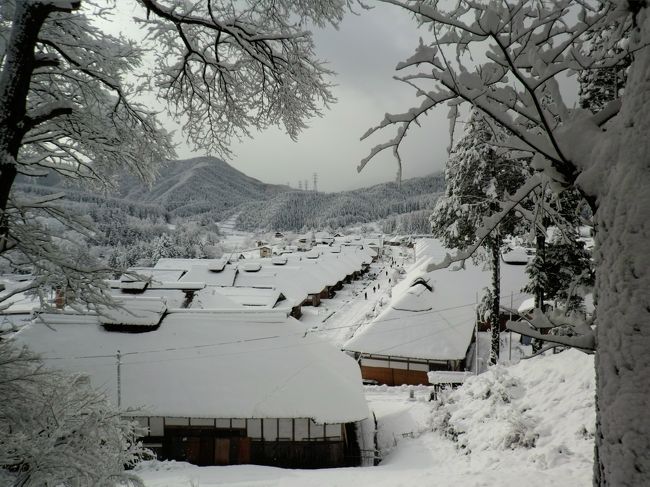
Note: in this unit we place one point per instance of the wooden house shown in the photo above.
(409, 339)
(220, 388)
(265, 251)
(430, 321)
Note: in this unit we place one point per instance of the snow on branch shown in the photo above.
(585, 342)
(528, 46)
(229, 67)
(489, 224)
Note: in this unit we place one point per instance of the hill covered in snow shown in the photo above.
(297, 209)
(209, 190)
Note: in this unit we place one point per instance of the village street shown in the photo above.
(359, 301)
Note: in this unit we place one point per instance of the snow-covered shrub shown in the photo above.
(545, 404)
(481, 415)
(55, 430)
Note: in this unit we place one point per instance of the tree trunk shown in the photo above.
(15, 77)
(540, 245)
(622, 160)
(495, 325)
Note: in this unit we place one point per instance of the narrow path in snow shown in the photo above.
(357, 303)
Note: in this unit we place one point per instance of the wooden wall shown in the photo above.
(395, 371)
(283, 442)
(394, 377)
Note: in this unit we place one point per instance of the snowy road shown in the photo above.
(357, 303)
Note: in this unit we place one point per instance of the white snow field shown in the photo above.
(528, 424)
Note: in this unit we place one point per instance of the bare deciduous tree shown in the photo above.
(70, 101)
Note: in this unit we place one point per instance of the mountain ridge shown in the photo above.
(210, 189)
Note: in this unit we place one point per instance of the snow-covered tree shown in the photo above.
(56, 430)
(502, 57)
(601, 85)
(561, 269)
(478, 178)
(69, 97)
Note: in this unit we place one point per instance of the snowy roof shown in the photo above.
(209, 298)
(448, 376)
(210, 365)
(250, 296)
(202, 273)
(134, 311)
(156, 274)
(412, 326)
(187, 264)
(437, 324)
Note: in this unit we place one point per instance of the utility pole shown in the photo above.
(510, 341)
(306, 184)
(119, 379)
(476, 330)
(315, 188)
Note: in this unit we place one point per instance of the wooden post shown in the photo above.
(476, 331)
(510, 340)
(119, 380)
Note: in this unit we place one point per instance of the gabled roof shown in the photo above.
(155, 274)
(411, 327)
(250, 296)
(186, 264)
(209, 365)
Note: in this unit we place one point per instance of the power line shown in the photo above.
(274, 337)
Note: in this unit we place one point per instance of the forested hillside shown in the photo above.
(190, 187)
(208, 190)
(305, 209)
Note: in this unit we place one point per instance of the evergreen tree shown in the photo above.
(599, 86)
(478, 178)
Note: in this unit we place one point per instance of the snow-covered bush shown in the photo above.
(545, 404)
(482, 414)
(55, 430)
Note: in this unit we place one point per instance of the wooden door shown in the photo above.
(243, 450)
(222, 451)
(193, 449)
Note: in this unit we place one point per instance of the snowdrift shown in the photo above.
(544, 405)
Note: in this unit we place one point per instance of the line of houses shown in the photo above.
(210, 357)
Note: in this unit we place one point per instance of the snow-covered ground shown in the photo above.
(531, 423)
(358, 302)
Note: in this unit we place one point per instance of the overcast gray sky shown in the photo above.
(363, 52)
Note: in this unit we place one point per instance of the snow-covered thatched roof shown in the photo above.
(434, 324)
(416, 326)
(209, 365)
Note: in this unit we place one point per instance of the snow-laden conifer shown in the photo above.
(478, 177)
